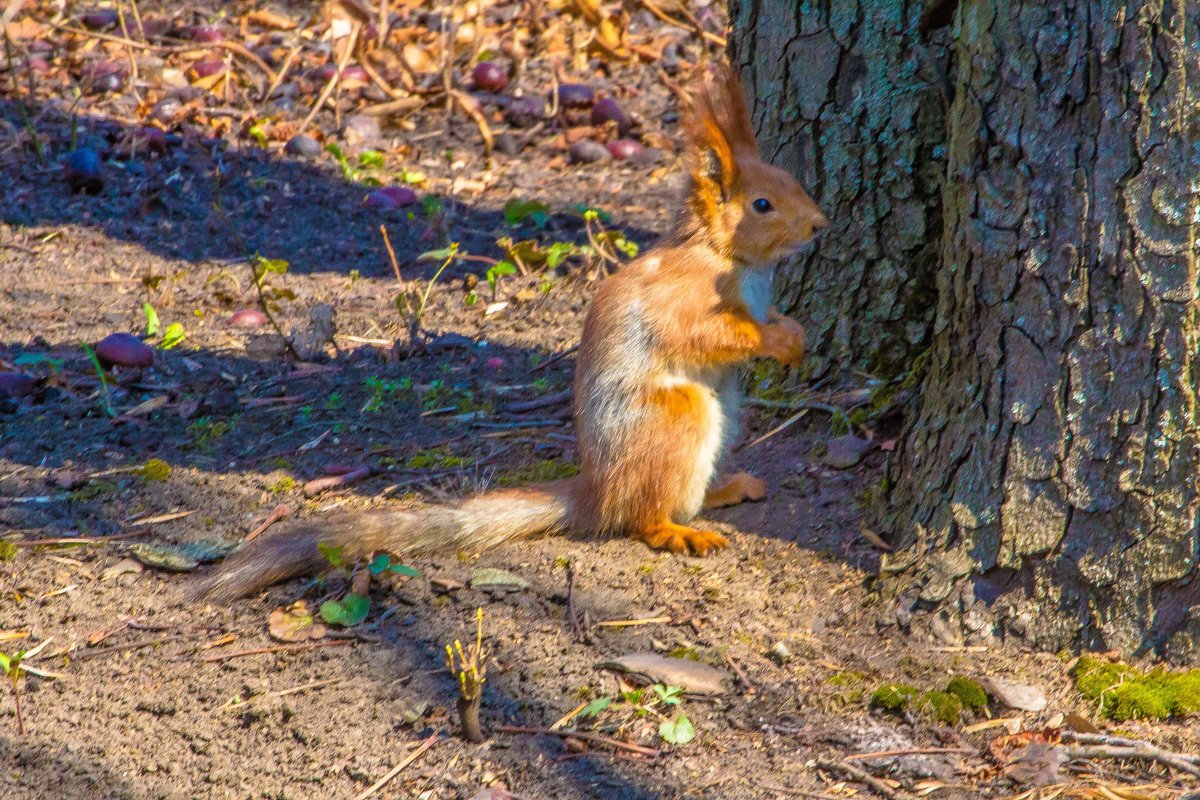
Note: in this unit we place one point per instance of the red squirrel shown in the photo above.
(655, 384)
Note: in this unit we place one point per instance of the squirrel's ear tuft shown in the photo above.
(717, 128)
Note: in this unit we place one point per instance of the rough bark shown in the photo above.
(851, 101)
(1046, 487)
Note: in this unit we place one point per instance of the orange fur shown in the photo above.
(655, 399)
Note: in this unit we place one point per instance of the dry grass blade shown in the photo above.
(352, 40)
(396, 770)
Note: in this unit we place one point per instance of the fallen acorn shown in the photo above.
(489, 76)
(575, 95)
(608, 109)
(389, 198)
(622, 149)
(123, 350)
(247, 318)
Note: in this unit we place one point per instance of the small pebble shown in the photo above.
(586, 151)
(303, 147)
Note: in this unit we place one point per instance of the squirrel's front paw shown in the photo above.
(783, 340)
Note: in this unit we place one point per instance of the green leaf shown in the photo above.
(559, 252)
(381, 563)
(594, 708)
(592, 214)
(33, 359)
(152, 323)
(517, 211)
(404, 569)
(443, 254)
(499, 270)
(350, 610)
(370, 159)
(669, 695)
(333, 554)
(258, 133)
(414, 177)
(5, 663)
(172, 336)
(677, 731)
(337, 153)
(626, 246)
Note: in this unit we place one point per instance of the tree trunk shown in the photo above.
(850, 101)
(1046, 487)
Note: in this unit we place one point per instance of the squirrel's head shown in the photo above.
(753, 212)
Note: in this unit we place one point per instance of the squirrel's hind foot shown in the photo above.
(681, 539)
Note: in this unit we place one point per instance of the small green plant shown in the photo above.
(270, 295)
(8, 550)
(13, 669)
(658, 701)
(98, 368)
(497, 271)
(173, 336)
(152, 323)
(380, 390)
(334, 401)
(367, 160)
(413, 301)
(382, 563)
(206, 431)
(517, 211)
(470, 670)
(347, 612)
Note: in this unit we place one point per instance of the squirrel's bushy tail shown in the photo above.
(477, 523)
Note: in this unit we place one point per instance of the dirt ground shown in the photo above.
(155, 697)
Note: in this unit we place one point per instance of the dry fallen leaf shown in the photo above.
(294, 624)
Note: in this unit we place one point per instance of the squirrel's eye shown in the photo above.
(762, 205)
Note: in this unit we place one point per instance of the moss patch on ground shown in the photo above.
(1126, 692)
(155, 470)
(970, 693)
(893, 696)
(550, 469)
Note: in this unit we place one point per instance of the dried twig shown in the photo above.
(558, 398)
(632, 623)
(719, 41)
(277, 513)
(586, 736)
(859, 776)
(1142, 751)
(315, 487)
(333, 79)
(555, 358)
(740, 673)
(391, 254)
(279, 648)
(117, 648)
(396, 770)
(582, 634)
(909, 751)
(116, 537)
